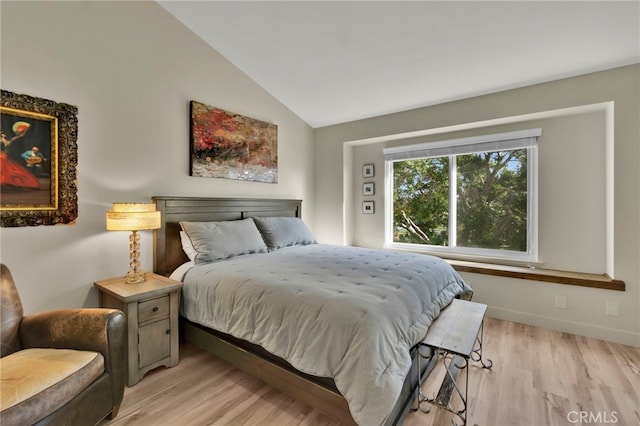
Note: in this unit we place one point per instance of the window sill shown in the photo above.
(547, 275)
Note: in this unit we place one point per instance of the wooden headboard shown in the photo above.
(167, 248)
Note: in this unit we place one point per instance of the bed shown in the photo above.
(316, 321)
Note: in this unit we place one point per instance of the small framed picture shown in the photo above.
(368, 207)
(368, 171)
(368, 188)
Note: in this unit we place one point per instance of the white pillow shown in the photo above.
(187, 246)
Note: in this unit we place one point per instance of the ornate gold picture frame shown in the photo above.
(39, 157)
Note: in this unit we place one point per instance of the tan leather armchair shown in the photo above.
(65, 367)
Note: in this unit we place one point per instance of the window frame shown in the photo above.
(453, 148)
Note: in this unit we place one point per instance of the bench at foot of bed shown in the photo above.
(456, 335)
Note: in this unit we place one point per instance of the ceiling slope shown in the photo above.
(333, 62)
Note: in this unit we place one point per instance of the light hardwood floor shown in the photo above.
(539, 378)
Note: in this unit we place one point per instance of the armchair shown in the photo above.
(59, 367)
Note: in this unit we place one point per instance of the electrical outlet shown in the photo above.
(613, 309)
(561, 302)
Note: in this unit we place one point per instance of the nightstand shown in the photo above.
(151, 308)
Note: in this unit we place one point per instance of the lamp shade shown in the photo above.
(133, 217)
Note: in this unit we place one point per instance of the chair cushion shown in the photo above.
(36, 382)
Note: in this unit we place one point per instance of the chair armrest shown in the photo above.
(86, 329)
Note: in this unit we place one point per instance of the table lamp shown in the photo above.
(133, 217)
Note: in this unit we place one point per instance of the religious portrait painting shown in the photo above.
(38, 158)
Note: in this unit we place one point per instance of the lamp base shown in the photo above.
(135, 277)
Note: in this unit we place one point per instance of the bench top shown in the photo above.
(456, 328)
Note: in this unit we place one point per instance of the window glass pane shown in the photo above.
(421, 201)
(492, 200)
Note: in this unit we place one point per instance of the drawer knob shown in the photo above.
(167, 331)
(155, 309)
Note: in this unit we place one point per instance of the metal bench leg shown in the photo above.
(462, 414)
(476, 355)
(419, 390)
(420, 397)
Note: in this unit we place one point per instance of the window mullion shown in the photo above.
(453, 205)
(532, 202)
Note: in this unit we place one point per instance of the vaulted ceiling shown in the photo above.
(337, 61)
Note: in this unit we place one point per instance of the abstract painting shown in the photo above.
(231, 146)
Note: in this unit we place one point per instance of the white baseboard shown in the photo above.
(580, 329)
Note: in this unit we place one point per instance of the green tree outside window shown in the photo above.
(491, 200)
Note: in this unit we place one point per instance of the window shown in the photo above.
(473, 197)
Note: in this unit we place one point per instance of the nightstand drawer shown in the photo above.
(154, 308)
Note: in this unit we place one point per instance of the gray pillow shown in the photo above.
(222, 240)
(279, 232)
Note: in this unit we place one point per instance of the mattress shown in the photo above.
(347, 313)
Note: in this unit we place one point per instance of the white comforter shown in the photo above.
(348, 313)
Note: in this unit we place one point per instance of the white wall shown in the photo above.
(338, 196)
(131, 69)
(571, 204)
